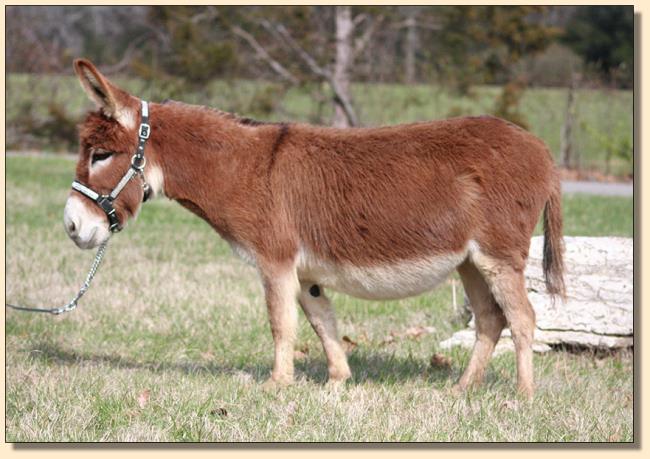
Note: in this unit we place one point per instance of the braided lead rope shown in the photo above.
(73, 303)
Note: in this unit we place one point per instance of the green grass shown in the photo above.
(604, 117)
(588, 215)
(598, 215)
(172, 342)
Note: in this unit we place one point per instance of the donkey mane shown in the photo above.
(243, 120)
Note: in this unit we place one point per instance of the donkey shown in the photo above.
(376, 213)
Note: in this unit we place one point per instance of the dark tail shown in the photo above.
(553, 243)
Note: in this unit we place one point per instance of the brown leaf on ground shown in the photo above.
(221, 412)
(614, 437)
(143, 398)
(348, 344)
(389, 339)
(440, 361)
(417, 331)
(511, 405)
(412, 332)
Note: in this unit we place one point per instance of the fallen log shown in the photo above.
(598, 312)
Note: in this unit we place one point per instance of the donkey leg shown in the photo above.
(508, 286)
(281, 290)
(489, 319)
(319, 312)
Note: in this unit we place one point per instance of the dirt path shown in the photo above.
(598, 188)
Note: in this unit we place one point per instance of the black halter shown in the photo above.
(138, 161)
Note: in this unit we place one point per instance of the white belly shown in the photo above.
(381, 282)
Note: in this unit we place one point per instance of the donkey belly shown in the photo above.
(380, 282)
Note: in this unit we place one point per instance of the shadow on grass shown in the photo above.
(366, 367)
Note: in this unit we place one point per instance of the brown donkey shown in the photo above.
(377, 213)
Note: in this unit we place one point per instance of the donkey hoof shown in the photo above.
(526, 393)
(273, 385)
(457, 390)
(337, 376)
(335, 384)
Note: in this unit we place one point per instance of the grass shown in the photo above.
(604, 117)
(172, 342)
(598, 216)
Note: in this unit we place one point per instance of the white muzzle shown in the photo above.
(85, 228)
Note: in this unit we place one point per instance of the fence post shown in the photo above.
(566, 141)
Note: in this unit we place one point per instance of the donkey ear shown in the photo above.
(110, 99)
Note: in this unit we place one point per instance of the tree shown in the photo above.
(484, 42)
(410, 44)
(348, 44)
(604, 37)
(47, 38)
(193, 43)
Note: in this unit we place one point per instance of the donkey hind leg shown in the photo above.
(489, 319)
(508, 286)
(319, 312)
(281, 289)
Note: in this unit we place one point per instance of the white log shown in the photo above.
(599, 307)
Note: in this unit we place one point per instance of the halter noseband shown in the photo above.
(138, 161)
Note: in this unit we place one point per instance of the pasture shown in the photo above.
(42, 111)
(172, 343)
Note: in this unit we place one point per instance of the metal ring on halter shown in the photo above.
(135, 159)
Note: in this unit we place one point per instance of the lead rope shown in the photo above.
(73, 303)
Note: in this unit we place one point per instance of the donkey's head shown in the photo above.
(108, 139)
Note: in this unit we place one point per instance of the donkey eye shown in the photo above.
(100, 157)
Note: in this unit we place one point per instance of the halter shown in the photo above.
(138, 161)
(105, 202)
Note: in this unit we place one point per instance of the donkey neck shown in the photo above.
(210, 160)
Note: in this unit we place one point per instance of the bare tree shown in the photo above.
(343, 66)
(348, 46)
(264, 55)
(410, 44)
(46, 38)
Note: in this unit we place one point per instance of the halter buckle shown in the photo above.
(144, 131)
(106, 203)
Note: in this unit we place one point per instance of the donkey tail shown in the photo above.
(553, 262)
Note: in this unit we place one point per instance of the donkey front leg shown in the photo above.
(281, 289)
(319, 312)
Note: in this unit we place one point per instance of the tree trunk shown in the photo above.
(410, 45)
(342, 67)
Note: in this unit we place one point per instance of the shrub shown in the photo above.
(553, 67)
(507, 104)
